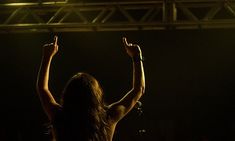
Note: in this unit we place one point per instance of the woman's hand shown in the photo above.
(51, 49)
(133, 50)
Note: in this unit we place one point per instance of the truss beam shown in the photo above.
(116, 16)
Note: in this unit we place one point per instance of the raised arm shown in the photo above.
(119, 109)
(46, 98)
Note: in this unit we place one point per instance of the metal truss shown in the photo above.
(67, 16)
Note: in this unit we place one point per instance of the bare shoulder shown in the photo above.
(114, 113)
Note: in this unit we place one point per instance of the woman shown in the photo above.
(82, 115)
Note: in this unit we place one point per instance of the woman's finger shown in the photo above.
(125, 41)
(55, 40)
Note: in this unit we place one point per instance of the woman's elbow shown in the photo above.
(140, 89)
(41, 89)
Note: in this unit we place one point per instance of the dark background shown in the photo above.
(189, 82)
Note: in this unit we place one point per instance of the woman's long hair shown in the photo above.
(84, 113)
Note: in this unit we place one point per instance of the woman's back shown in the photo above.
(77, 128)
(82, 114)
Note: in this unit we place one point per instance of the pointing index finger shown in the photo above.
(55, 40)
(125, 41)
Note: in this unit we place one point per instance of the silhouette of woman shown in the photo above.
(82, 114)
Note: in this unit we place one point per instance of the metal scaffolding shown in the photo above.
(65, 16)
